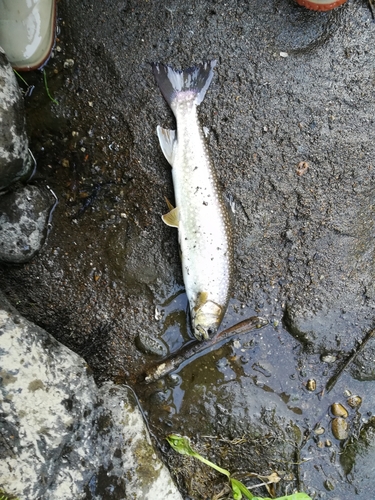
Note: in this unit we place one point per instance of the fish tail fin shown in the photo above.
(191, 83)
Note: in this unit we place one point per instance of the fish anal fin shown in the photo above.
(167, 139)
(171, 218)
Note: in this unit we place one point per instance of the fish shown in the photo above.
(201, 214)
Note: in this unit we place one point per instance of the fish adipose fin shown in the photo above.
(171, 218)
(173, 82)
(167, 139)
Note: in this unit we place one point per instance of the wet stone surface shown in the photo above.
(24, 215)
(15, 161)
(358, 457)
(304, 243)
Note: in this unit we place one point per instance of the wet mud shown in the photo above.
(290, 114)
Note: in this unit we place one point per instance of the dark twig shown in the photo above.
(371, 4)
(191, 351)
(332, 381)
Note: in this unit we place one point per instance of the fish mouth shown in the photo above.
(206, 319)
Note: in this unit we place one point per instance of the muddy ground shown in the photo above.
(291, 86)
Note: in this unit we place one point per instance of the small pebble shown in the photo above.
(68, 63)
(319, 430)
(340, 428)
(311, 385)
(354, 401)
(328, 358)
(338, 410)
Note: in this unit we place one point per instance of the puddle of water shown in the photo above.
(175, 330)
(263, 372)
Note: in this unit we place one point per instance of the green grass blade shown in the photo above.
(47, 89)
(27, 85)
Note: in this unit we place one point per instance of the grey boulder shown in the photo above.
(15, 160)
(63, 437)
(24, 217)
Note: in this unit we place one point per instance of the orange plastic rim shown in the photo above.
(320, 4)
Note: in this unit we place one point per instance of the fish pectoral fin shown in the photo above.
(171, 218)
(167, 139)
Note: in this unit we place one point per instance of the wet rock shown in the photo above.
(150, 345)
(23, 223)
(320, 330)
(15, 160)
(334, 307)
(334, 330)
(358, 458)
(58, 426)
(363, 367)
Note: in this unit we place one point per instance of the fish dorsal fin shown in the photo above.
(171, 218)
(167, 139)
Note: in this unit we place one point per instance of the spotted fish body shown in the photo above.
(200, 215)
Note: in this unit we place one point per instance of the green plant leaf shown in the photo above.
(182, 445)
(239, 487)
(237, 495)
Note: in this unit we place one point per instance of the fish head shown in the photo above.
(206, 319)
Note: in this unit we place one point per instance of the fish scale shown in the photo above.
(204, 229)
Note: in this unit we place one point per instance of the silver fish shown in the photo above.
(201, 216)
